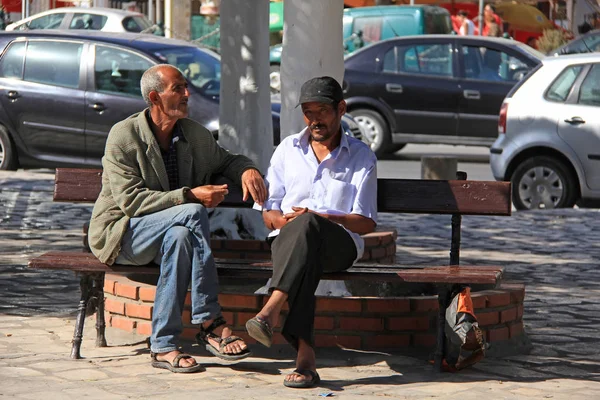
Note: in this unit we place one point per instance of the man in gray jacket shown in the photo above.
(152, 208)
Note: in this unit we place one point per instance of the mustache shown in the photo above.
(317, 126)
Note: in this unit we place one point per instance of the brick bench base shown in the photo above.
(365, 323)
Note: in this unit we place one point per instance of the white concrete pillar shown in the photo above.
(245, 104)
(168, 18)
(312, 46)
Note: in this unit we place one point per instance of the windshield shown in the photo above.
(202, 69)
(592, 42)
(136, 23)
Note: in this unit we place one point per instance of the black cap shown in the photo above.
(323, 89)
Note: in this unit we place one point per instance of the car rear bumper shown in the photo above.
(500, 155)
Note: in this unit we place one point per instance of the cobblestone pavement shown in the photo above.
(553, 252)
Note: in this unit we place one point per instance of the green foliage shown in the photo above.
(551, 39)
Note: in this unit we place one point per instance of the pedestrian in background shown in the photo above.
(467, 27)
(493, 23)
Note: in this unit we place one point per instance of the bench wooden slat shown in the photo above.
(393, 195)
(84, 185)
(77, 185)
(444, 197)
(86, 262)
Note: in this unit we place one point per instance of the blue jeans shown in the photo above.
(178, 239)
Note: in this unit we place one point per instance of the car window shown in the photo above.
(484, 63)
(560, 88)
(389, 61)
(591, 42)
(201, 69)
(429, 59)
(53, 63)
(11, 64)
(136, 23)
(119, 71)
(590, 88)
(93, 22)
(369, 27)
(50, 21)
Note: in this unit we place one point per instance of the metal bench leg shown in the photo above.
(440, 350)
(85, 284)
(99, 297)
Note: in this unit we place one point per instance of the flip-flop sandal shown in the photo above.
(175, 367)
(204, 334)
(314, 379)
(260, 330)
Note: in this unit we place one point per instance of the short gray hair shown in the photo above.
(152, 81)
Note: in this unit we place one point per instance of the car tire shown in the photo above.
(376, 130)
(543, 183)
(8, 153)
(275, 78)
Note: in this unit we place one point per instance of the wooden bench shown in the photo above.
(455, 197)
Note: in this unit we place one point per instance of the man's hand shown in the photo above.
(210, 195)
(253, 184)
(297, 212)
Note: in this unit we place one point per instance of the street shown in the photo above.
(406, 163)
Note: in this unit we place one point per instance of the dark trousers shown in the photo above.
(303, 250)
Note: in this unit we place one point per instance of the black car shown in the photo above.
(62, 91)
(442, 89)
(588, 43)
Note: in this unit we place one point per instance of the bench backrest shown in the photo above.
(393, 195)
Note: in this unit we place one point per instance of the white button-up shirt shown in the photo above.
(345, 182)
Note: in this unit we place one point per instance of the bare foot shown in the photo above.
(170, 356)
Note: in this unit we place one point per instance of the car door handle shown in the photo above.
(13, 94)
(393, 88)
(575, 121)
(98, 107)
(472, 94)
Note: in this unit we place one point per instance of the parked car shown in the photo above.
(442, 89)
(549, 135)
(588, 43)
(363, 26)
(96, 18)
(61, 91)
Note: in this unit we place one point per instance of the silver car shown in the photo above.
(96, 19)
(549, 135)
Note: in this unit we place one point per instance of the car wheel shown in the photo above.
(275, 78)
(8, 154)
(543, 183)
(376, 130)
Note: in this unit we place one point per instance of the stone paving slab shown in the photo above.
(553, 252)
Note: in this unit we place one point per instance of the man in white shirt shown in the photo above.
(322, 197)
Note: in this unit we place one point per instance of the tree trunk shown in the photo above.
(312, 46)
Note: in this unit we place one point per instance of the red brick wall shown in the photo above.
(379, 247)
(355, 322)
